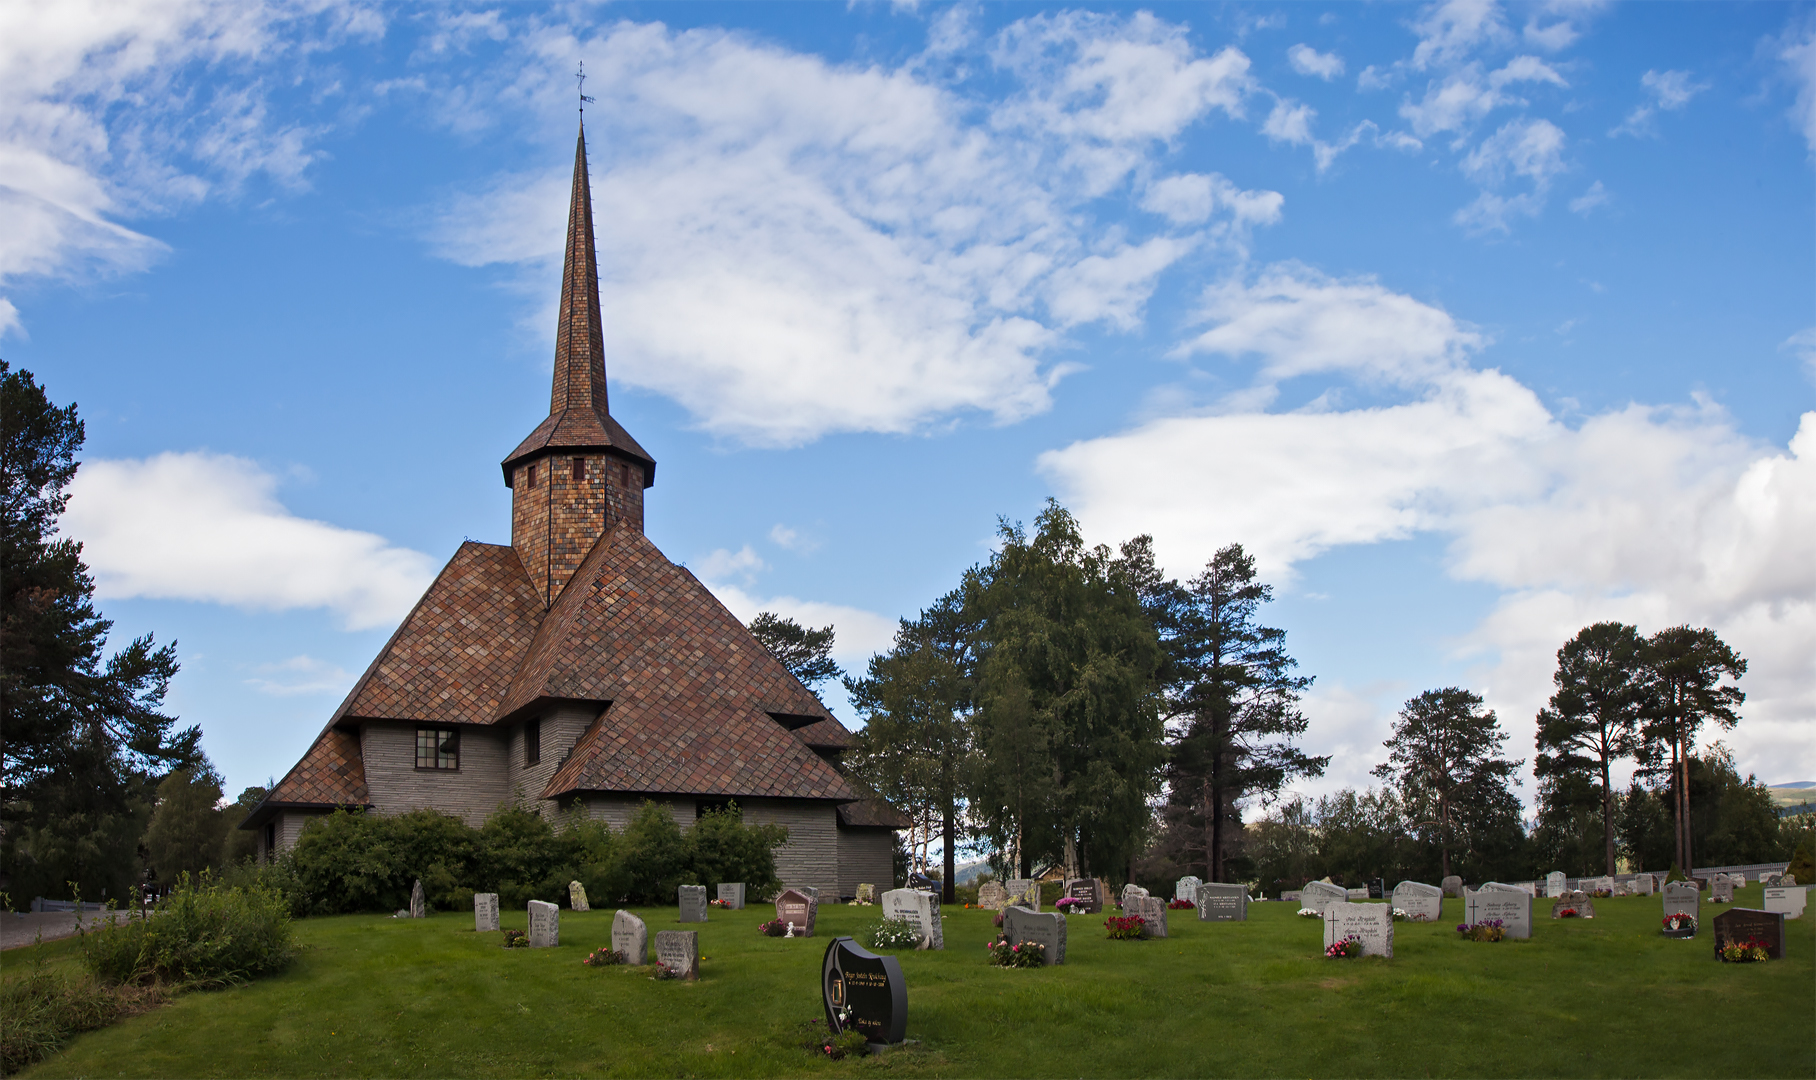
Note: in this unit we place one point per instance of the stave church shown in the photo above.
(578, 668)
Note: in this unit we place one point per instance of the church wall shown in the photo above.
(811, 856)
(561, 729)
(866, 855)
(395, 785)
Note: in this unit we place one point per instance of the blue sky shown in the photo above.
(1475, 323)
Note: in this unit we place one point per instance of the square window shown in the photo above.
(437, 748)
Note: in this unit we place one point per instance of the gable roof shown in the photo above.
(331, 773)
(691, 690)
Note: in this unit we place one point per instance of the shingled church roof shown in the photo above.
(332, 773)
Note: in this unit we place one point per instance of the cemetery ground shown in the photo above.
(376, 996)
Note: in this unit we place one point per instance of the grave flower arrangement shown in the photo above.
(1027, 954)
(603, 957)
(1126, 927)
(516, 939)
(1310, 913)
(1486, 930)
(891, 934)
(1567, 913)
(1680, 924)
(1181, 905)
(719, 903)
(773, 928)
(1604, 894)
(1343, 950)
(998, 921)
(1749, 951)
(1069, 905)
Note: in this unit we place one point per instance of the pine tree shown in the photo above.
(1604, 688)
(1442, 758)
(805, 652)
(1690, 666)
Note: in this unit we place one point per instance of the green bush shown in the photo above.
(726, 849)
(40, 1012)
(204, 934)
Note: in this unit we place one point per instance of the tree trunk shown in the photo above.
(1689, 854)
(1607, 817)
(1444, 836)
(1216, 866)
(1210, 836)
(950, 828)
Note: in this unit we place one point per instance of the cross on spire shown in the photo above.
(580, 84)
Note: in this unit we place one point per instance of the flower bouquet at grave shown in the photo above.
(1027, 954)
(1181, 905)
(603, 957)
(1069, 905)
(516, 939)
(1749, 951)
(1679, 924)
(1402, 915)
(1603, 894)
(1310, 913)
(891, 934)
(1567, 913)
(1486, 930)
(998, 921)
(1343, 950)
(773, 928)
(1125, 927)
(719, 903)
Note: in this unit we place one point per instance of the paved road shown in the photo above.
(23, 929)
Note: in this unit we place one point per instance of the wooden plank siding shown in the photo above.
(472, 792)
(866, 855)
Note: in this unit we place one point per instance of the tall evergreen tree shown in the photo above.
(1442, 759)
(82, 741)
(187, 833)
(1230, 681)
(1604, 686)
(1690, 666)
(805, 652)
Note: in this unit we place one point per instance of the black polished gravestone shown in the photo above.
(1740, 924)
(1377, 889)
(863, 992)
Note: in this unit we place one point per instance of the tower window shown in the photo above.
(530, 472)
(532, 742)
(437, 748)
(579, 468)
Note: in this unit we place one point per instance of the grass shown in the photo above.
(372, 996)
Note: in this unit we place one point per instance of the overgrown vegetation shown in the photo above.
(205, 934)
(41, 1010)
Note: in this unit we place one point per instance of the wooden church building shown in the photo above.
(578, 667)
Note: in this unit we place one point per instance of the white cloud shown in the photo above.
(1309, 61)
(1467, 95)
(1374, 78)
(1532, 150)
(1798, 54)
(791, 539)
(798, 248)
(722, 564)
(1654, 515)
(1595, 195)
(301, 675)
(1450, 30)
(858, 634)
(1668, 90)
(1567, 26)
(207, 527)
(1194, 198)
(1291, 122)
(1803, 343)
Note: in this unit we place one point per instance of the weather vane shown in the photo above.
(580, 79)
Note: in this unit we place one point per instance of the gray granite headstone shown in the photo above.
(1574, 900)
(1643, 885)
(810, 891)
(545, 925)
(1132, 890)
(1554, 884)
(1047, 929)
(732, 892)
(1512, 906)
(1421, 902)
(485, 912)
(1683, 896)
(920, 908)
(630, 938)
(1024, 891)
(577, 897)
(679, 951)
(1222, 903)
(1452, 885)
(692, 900)
(992, 896)
(1721, 890)
(1373, 923)
(1152, 910)
(1186, 888)
(1355, 894)
(1600, 884)
(1318, 895)
(797, 909)
(419, 907)
(1789, 900)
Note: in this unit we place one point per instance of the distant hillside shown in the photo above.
(1792, 798)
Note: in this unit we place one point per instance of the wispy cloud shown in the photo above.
(1309, 61)
(1665, 90)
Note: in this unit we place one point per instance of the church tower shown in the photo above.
(579, 474)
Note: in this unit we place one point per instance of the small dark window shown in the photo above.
(532, 742)
(531, 474)
(579, 465)
(437, 748)
(270, 839)
(702, 807)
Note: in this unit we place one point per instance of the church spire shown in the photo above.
(579, 342)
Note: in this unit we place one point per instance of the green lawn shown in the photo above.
(373, 996)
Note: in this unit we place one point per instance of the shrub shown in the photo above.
(205, 934)
(1028, 954)
(1125, 927)
(39, 1013)
(891, 934)
(723, 848)
(847, 1043)
(773, 928)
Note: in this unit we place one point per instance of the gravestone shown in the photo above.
(679, 951)
(867, 893)
(1290, 896)
(863, 992)
(1786, 900)
(1683, 896)
(1222, 903)
(419, 907)
(1554, 884)
(545, 925)
(794, 907)
(921, 908)
(1721, 890)
(992, 896)
(692, 901)
(1377, 889)
(485, 912)
(1152, 910)
(1574, 900)
(1047, 929)
(1421, 902)
(1600, 884)
(732, 893)
(1643, 885)
(630, 938)
(1739, 880)
(1738, 924)
(1186, 888)
(577, 897)
(1090, 891)
(1500, 887)
(1452, 885)
(1373, 923)
(1512, 906)
(1318, 895)
(1024, 891)
(1130, 892)
(1355, 894)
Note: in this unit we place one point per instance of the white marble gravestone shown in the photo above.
(1186, 888)
(1373, 923)
(732, 893)
(1222, 903)
(1512, 906)
(1554, 883)
(920, 908)
(630, 938)
(545, 925)
(1452, 885)
(1721, 890)
(1683, 896)
(1787, 899)
(1643, 885)
(1318, 895)
(1421, 902)
(692, 901)
(577, 897)
(485, 912)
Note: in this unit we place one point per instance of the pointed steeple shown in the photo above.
(578, 415)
